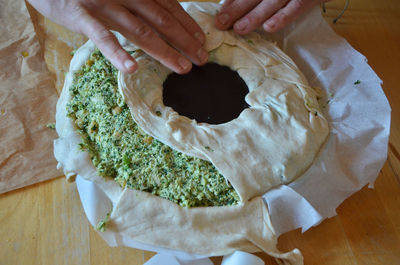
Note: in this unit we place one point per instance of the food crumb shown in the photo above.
(148, 140)
(208, 148)
(51, 125)
(102, 225)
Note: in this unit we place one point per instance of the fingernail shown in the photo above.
(129, 64)
(269, 25)
(202, 55)
(223, 18)
(241, 25)
(184, 63)
(200, 37)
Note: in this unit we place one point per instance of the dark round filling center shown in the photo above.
(211, 93)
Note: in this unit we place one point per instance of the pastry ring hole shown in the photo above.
(212, 94)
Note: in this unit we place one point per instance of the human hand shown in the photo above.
(247, 15)
(159, 27)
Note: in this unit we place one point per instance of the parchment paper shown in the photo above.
(358, 113)
(359, 118)
(27, 102)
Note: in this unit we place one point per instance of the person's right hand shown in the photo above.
(159, 27)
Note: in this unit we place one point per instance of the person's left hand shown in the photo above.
(247, 15)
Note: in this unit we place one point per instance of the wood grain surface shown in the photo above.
(45, 223)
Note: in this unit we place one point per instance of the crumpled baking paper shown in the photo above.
(359, 117)
(358, 113)
(96, 204)
(27, 102)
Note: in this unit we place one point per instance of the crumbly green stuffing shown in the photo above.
(102, 225)
(121, 150)
(51, 125)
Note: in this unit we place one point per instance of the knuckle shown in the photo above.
(116, 52)
(102, 35)
(170, 6)
(282, 16)
(255, 19)
(143, 32)
(112, 54)
(278, 3)
(165, 20)
(169, 58)
(235, 6)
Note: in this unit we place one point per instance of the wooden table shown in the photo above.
(45, 223)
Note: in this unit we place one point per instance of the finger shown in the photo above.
(226, 2)
(174, 8)
(286, 15)
(138, 32)
(232, 11)
(173, 32)
(106, 42)
(258, 16)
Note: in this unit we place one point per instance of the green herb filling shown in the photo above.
(121, 150)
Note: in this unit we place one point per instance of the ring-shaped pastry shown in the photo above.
(272, 142)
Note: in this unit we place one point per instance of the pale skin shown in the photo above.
(161, 27)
